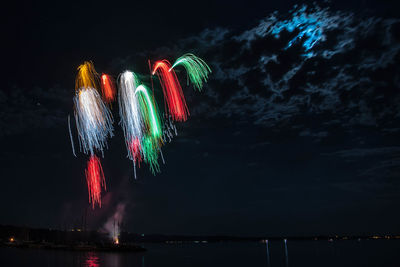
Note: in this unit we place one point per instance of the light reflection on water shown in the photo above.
(271, 253)
(286, 254)
(268, 257)
(92, 260)
(96, 259)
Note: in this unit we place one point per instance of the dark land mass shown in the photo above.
(74, 239)
(81, 239)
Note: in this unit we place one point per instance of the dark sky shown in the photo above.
(284, 140)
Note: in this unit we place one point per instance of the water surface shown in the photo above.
(295, 253)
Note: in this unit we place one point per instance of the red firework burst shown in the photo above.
(173, 94)
(135, 150)
(95, 180)
(107, 88)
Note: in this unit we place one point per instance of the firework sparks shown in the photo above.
(95, 180)
(135, 149)
(107, 88)
(70, 136)
(129, 111)
(138, 110)
(196, 68)
(152, 140)
(169, 130)
(150, 150)
(93, 120)
(149, 112)
(87, 76)
(174, 98)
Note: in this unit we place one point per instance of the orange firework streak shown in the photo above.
(174, 98)
(107, 88)
(95, 180)
(87, 76)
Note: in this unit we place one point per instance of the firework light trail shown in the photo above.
(87, 76)
(149, 112)
(107, 88)
(174, 98)
(93, 120)
(169, 130)
(197, 70)
(129, 111)
(150, 150)
(94, 123)
(135, 149)
(70, 136)
(95, 180)
(138, 110)
(152, 141)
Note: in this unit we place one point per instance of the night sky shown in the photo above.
(294, 134)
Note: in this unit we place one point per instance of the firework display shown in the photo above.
(152, 140)
(70, 136)
(95, 180)
(197, 70)
(174, 98)
(94, 124)
(107, 88)
(145, 129)
(129, 111)
(87, 76)
(149, 113)
(94, 121)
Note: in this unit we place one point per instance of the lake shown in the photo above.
(275, 253)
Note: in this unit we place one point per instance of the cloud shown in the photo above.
(22, 110)
(380, 161)
(300, 67)
(313, 71)
(312, 65)
(366, 152)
